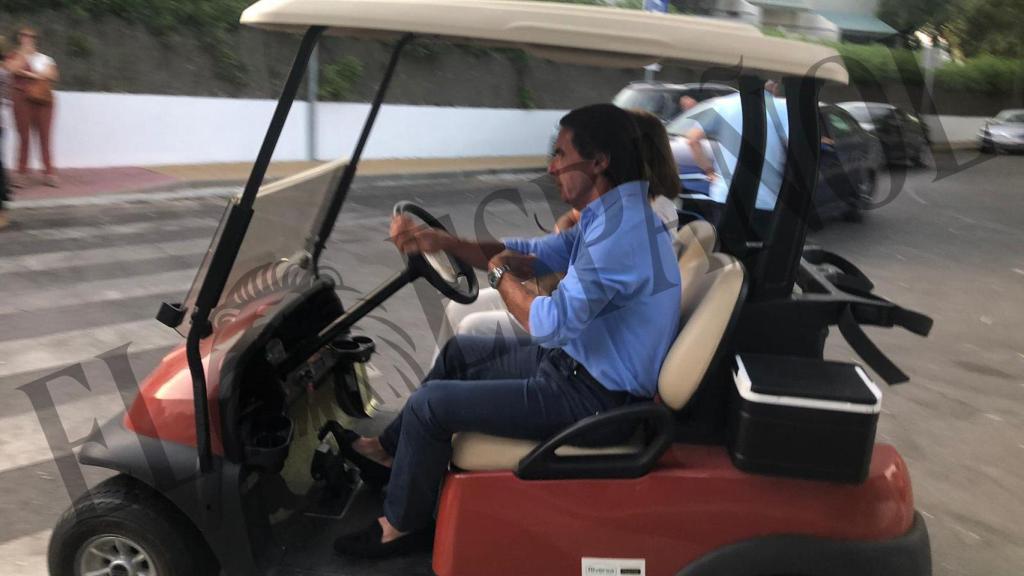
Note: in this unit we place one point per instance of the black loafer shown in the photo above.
(373, 473)
(366, 543)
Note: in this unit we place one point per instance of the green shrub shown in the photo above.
(984, 74)
(871, 63)
(79, 46)
(526, 98)
(338, 80)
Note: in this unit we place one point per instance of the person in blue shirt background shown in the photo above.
(721, 119)
(598, 341)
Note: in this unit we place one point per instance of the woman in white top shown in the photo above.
(488, 315)
(33, 75)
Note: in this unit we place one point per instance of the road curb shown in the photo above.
(195, 189)
(368, 178)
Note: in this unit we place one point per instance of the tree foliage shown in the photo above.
(909, 16)
(976, 27)
(994, 27)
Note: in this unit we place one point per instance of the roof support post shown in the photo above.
(777, 266)
(736, 231)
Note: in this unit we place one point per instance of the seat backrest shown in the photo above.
(713, 298)
(699, 234)
(694, 245)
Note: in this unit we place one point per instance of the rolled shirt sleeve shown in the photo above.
(552, 251)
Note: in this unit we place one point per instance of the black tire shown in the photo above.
(128, 510)
(918, 158)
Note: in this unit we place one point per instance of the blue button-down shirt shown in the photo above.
(616, 311)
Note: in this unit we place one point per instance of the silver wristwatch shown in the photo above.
(495, 274)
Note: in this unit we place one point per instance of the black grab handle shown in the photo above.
(543, 464)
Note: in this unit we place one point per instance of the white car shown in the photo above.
(1003, 133)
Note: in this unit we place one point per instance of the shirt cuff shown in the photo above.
(527, 247)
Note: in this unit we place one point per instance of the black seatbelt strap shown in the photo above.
(913, 321)
(866, 349)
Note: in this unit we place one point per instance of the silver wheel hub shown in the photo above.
(113, 556)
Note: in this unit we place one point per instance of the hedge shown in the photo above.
(984, 74)
(873, 63)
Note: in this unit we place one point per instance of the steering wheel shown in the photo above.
(452, 277)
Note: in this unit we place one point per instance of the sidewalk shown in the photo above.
(92, 182)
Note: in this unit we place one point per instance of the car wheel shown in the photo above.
(918, 157)
(865, 189)
(987, 147)
(123, 527)
(864, 195)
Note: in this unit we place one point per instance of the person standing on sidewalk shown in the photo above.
(4, 80)
(33, 76)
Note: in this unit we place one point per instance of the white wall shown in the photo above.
(959, 130)
(98, 129)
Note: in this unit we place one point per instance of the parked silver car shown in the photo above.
(1005, 132)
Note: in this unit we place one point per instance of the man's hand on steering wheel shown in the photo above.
(411, 238)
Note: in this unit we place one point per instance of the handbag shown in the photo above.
(39, 92)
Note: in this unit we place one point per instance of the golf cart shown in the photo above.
(758, 456)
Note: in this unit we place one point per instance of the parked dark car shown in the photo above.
(851, 160)
(662, 99)
(904, 137)
(1005, 132)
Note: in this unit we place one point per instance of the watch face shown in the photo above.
(495, 274)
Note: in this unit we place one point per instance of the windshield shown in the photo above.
(1011, 116)
(859, 112)
(685, 121)
(654, 101)
(865, 112)
(285, 211)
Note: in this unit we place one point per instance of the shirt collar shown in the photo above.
(598, 207)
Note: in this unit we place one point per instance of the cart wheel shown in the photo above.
(124, 528)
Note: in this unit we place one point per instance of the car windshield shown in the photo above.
(865, 112)
(654, 101)
(1011, 116)
(284, 214)
(685, 121)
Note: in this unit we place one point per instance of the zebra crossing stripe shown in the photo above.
(55, 350)
(105, 230)
(97, 291)
(67, 258)
(26, 556)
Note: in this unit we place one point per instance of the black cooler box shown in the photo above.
(802, 417)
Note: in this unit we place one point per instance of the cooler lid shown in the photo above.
(806, 382)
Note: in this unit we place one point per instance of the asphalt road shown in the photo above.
(79, 282)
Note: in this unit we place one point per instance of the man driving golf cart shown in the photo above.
(601, 337)
(759, 459)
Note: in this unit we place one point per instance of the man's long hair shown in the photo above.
(609, 130)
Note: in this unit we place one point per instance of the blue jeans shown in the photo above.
(486, 385)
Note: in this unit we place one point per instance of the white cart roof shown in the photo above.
(571, 33)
